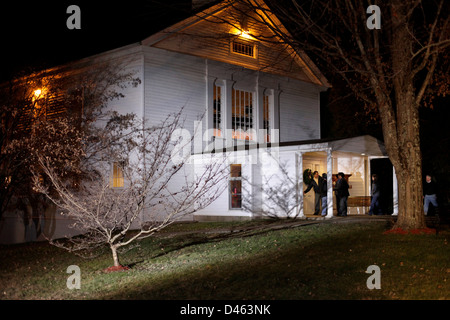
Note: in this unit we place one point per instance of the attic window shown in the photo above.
(244, 48)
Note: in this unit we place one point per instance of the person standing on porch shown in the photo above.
(342, 194)
(315, 185)
(429, 191)
(375, 201)
(323, 193)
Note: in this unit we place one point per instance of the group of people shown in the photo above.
(429, 195)
(319, 185)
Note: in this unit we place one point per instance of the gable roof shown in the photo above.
(208, 34)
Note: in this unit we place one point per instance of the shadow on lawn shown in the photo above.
(330, 266)
(194, 238)
(323, 269)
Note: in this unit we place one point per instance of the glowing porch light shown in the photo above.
(246, 35)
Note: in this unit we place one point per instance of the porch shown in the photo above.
(358, 158)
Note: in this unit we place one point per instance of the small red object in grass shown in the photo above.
(116, 268)
(413, 231)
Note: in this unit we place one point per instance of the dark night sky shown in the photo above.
(34, 34)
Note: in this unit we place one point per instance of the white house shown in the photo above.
(253, 89)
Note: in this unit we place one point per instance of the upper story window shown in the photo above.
(266, 117)
(217, 115)
(243, 48)
(242, 114)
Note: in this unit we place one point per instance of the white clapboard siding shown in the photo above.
(132, 102)
(173, 81)
(299, 118)
(220, 208)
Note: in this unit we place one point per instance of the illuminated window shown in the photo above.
(117, 175)
(242, 114)
(235, 186)
(217, 116)
(266, 117)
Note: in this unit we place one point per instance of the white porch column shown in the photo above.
(329, 184)
(395, 191)
(299, 166)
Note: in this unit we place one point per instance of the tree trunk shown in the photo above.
(115, 256)
(410, 214)
(408, 157)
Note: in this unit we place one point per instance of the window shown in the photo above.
(266, 117)
(117, 175)
(217, 116)
(243, 48)
(242, 114)
(235, 186)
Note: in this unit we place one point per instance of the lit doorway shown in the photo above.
(314, 161)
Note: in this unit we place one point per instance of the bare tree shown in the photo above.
(391, 69)
(147, 192)
(45, 110)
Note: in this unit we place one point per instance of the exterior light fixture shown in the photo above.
(245, 35)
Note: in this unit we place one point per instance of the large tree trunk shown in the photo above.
(401, 137)
(409, 171)
(403, 146)
(410, 215)
(406, 153)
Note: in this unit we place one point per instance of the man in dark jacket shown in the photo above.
(429, 191)
(341, 190)
(315, 181)
(323, 193)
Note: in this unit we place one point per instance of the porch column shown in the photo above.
(299, 166)
(395, 191)
(329, 185)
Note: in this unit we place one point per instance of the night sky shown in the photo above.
(34, 34)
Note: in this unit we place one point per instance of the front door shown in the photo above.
(315, 164)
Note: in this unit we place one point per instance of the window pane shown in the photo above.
(242, 114)
(236, 195)
(235, 171)
(235, 186)
(217, 117)
(266, 118)
(117, 176)
(236, 202)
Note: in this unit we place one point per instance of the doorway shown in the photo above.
(382, 167)
(315, 161)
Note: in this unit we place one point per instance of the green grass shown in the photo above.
(321, 261)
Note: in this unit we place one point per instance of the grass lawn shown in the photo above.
(318, 261)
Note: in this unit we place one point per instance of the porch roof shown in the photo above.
(364, 145)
